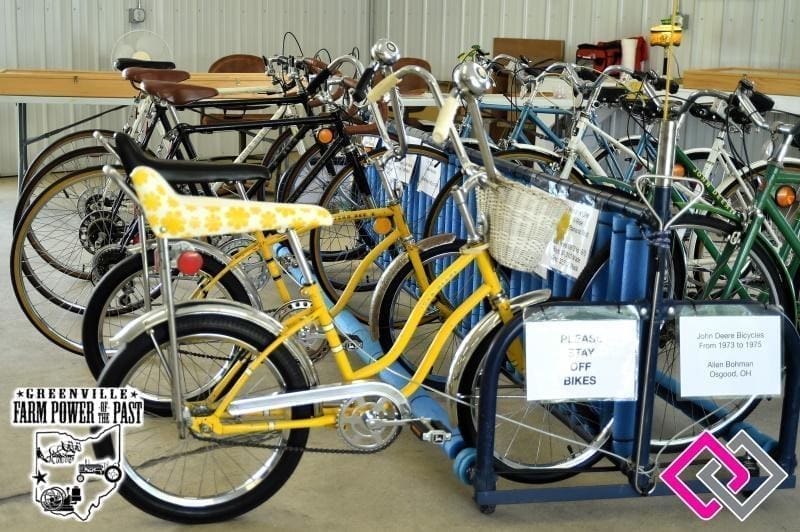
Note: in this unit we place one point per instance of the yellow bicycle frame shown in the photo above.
(219, 399)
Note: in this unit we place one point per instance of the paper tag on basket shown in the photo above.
(570, 255)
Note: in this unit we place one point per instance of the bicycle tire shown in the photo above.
(337, 250)
(61, 146)
(50, 298)
(669, 408)
(527, 460)
(117, 286)
(60, 168)
(404, 286)
(254, 479)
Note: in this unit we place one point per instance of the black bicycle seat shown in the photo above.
(184, 172)
(121, 63)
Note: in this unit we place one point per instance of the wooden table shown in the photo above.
(782, 85)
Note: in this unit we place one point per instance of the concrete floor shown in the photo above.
(408, 486)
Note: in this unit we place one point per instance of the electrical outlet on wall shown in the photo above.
(136, 15)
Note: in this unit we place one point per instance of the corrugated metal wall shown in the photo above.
(758, 33)
(79, 34)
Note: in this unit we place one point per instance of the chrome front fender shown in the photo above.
(390, 272)
(154, 318)
(473, 339)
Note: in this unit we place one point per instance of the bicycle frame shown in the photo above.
(764, 208)
(490, 289)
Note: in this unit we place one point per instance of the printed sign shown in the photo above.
(581, 359)
(402, 170)
(70, 478)
(570, 255)
(430, 176)
(730, 356)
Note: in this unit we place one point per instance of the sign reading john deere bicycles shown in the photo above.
(572, 359)
(730, 355)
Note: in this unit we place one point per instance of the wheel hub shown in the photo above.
(98, 229)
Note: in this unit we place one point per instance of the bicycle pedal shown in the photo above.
(431, 431)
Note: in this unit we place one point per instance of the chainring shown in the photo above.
(351, 423)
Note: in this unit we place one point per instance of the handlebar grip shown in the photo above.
(318, 81)
(445, 119)
(383, 86)
(360, 92)
(762, 102)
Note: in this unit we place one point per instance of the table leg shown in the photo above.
(22, 138)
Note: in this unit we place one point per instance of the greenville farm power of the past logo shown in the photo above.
(74, 471)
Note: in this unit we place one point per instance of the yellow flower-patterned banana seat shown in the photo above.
(172, 215)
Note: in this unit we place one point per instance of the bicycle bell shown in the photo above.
(473, 78)
(385, 52)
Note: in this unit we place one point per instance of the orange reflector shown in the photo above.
(382, 226)
(679, 170)
(785, 196)
(190, 262)
(325, 135)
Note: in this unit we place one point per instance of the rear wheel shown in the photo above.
(201, 479)
(70, 231)
(119, 298)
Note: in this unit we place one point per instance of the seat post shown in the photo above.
(173, 366)
(300, 257)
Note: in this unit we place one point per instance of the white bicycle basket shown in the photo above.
(522, 221)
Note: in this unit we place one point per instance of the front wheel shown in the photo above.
(202, 479)
(701, 255)
(534, 442)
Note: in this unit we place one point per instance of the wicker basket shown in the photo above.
(522, 221)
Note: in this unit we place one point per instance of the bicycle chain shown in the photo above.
(292, 448)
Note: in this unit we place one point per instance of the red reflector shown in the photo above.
(190, 262)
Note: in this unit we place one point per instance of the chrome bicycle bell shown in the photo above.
(385, 52)
(472, 78)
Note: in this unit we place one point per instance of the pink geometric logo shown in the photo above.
(724, 494)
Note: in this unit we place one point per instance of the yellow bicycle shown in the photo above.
(229, 393)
